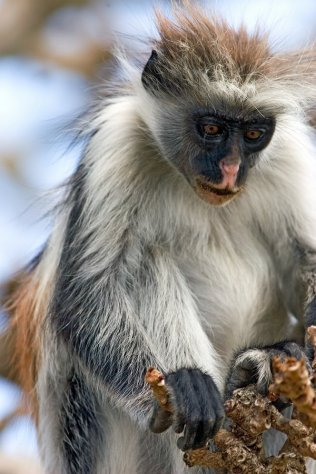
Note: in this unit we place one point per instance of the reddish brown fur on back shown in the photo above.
(26, 322)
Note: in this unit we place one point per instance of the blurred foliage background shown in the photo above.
(53, 54)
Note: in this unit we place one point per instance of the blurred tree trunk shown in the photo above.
(20, 19)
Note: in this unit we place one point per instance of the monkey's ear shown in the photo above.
(152, 77)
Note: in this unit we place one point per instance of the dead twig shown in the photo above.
(240, 450)
(233, 453)
(292, 380)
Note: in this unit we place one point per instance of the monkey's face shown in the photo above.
(228, 147)
(215, 149)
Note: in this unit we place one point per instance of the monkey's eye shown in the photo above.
(253, 134)
(211, 129)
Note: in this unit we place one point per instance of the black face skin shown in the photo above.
(214, 149)
(232, 139)
(228, 140)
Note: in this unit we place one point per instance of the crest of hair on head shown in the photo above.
(195, 38)
(196, 45)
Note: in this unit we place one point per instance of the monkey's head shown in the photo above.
(214, 97)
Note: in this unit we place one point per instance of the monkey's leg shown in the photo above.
(80, 424)
(128, 448)
(71, 432)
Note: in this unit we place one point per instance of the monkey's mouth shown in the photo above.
(209, 188)
(214, 195)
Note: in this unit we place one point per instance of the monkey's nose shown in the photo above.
(229, 171)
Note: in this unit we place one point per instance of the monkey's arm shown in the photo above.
(137, 313)
(254, 366)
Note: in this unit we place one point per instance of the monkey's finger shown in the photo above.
(203, 433)
(179, 393)
(215, 425)
(160, 421)
(187, 440)
(179, 418)
(217, 414)
(179, 424)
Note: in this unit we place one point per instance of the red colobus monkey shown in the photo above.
(188, 234)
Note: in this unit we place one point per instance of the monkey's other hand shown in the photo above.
(197, 408)
(254, 366)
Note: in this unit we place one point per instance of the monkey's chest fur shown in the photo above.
(243, 292)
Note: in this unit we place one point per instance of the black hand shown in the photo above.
(197, 408)
(254, 366)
